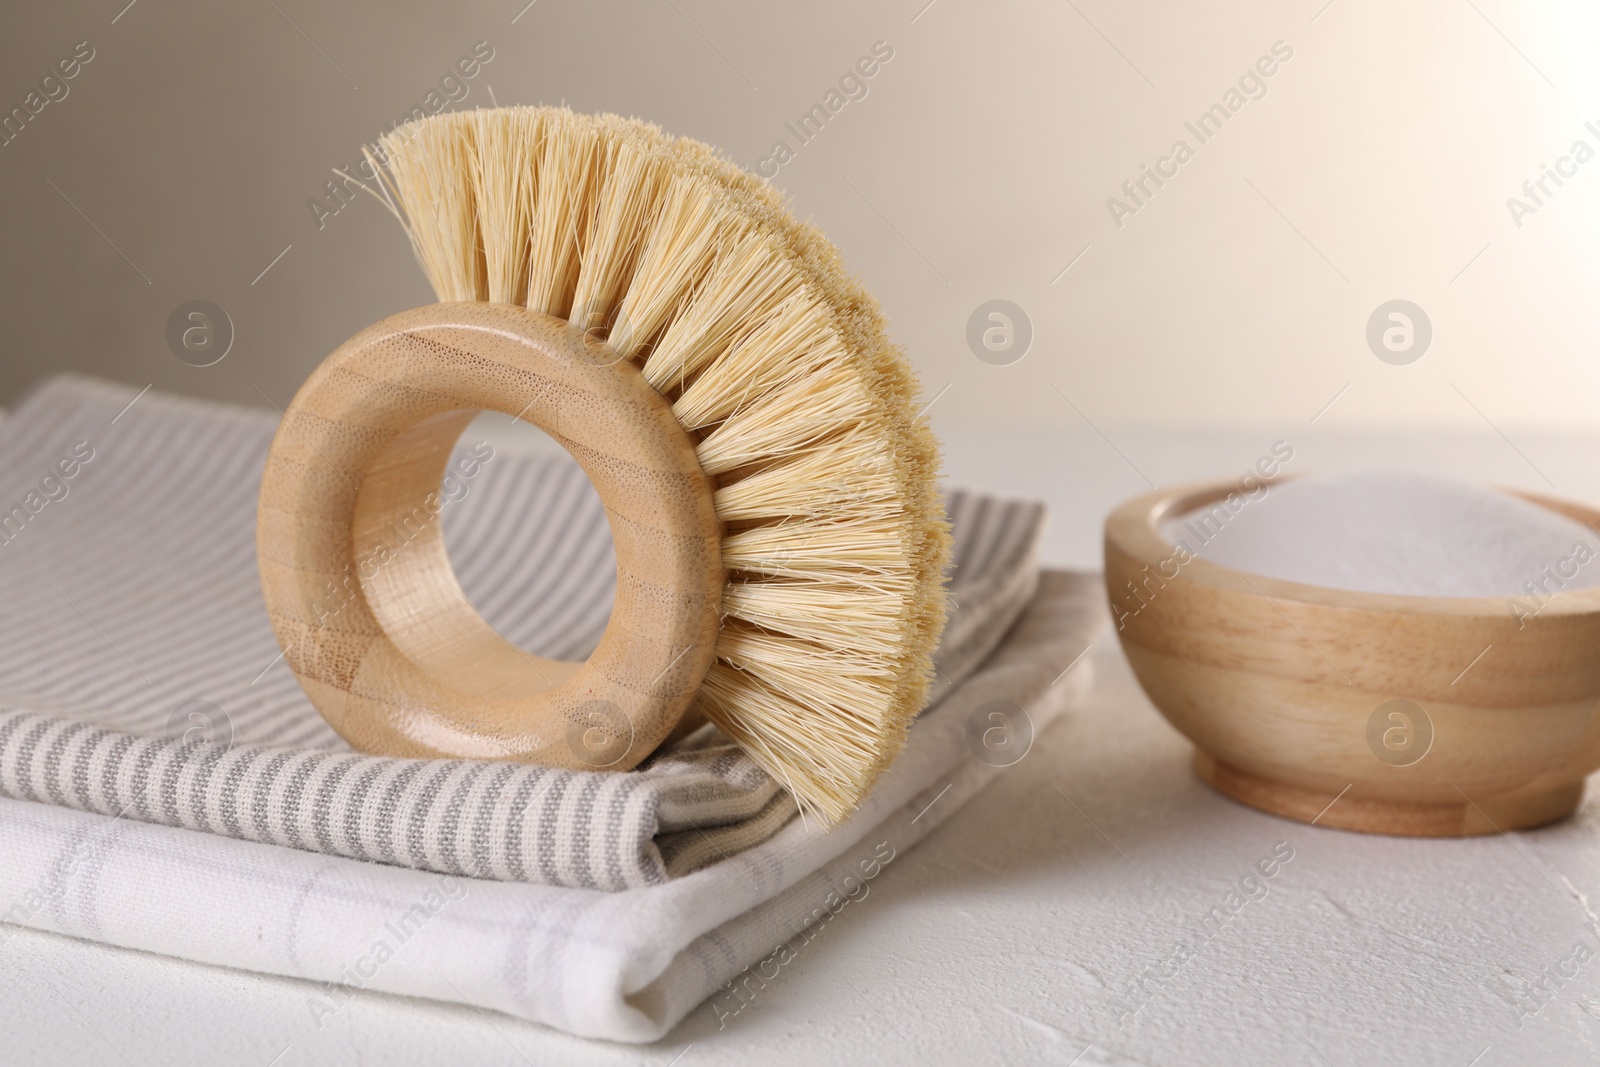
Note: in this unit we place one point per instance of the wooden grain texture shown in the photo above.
(360, 589)
(1277, 683)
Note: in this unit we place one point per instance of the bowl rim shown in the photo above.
(1134, 529)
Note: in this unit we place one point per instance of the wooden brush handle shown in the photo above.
(361, 593)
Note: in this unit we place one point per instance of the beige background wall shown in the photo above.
(978, 166)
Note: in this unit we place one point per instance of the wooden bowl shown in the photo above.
(1424, 716)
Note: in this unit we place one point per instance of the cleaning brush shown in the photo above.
(775, 363)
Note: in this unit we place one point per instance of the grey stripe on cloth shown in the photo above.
(139, 676)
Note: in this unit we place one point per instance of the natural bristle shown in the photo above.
(776, 361)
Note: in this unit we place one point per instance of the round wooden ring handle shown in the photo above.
(359, 587)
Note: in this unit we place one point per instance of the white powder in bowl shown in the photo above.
(1395, 531)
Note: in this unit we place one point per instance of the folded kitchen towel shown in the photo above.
(625, 965)
(135, 616)
(139, 677)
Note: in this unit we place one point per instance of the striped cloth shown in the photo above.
(140, 679)
(626, 966)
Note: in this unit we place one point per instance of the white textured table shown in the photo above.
(1012, 934)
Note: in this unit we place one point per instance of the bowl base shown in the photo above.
(1481, 815)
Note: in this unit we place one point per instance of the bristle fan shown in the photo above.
(777, 363)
